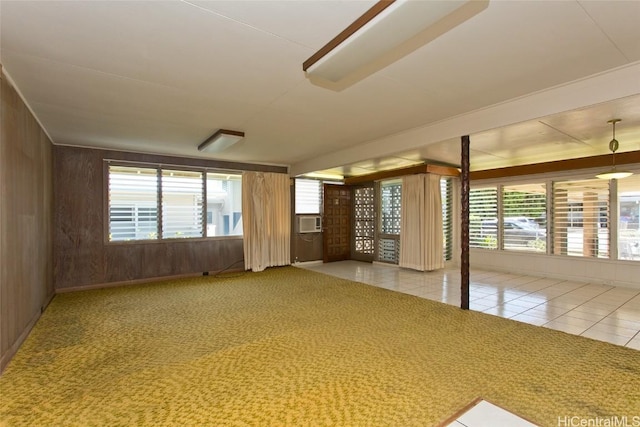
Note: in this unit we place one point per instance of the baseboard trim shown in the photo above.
(47, 302)
(142, 281)
(6, 358)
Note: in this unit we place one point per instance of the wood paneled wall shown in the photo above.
(307, 247)
(83, 258)
(26, 218)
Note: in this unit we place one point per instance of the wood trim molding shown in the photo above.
(365, 18)
(443, 170)
(134, 282)
(460, 412)
(141, 159)
(557, 166)
(13, 349)
(396, 173)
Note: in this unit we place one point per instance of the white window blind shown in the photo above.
(581, 218)
(524, 220)
(483, 218)
(133, 203)
(447, 220)
(182, 204)
(629, 218)
(308, 196)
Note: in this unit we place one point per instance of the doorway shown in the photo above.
(336, 227)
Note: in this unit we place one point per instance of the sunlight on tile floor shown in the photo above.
(601, 312)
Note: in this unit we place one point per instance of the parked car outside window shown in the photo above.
(517, 231)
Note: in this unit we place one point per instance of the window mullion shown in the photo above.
(549, 222)
(614, 215)
(204, 204)
(160, 211)
(500, 221)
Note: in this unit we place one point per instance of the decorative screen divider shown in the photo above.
(364, 220)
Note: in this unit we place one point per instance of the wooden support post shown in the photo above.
(464, 236)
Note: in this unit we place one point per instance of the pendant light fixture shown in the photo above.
(614, 173)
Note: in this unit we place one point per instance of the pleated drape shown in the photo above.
(421, 223)
(411, 227)
(266, 217)
(434, 253)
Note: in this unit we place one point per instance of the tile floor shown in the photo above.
(486, 414)
(601, 312)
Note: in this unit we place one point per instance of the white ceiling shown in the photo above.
(530, 81)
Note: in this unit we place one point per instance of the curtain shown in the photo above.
(421, 223)
(266, 217)
(434, 251)
(411, 230)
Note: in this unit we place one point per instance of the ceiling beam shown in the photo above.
(599, 88)
(603, 160)
(396, 173)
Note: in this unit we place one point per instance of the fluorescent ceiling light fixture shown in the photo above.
(221, 140)
(614, 173)
(388, 31)
(323, 175)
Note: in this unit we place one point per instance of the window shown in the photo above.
(133, 203)
(181, 204)
(308, 196)
(581, 218)
(586, 217)
(483, 218)
(524, 217)
(446, 185)
(224, 205)
(135, 193)
(391, 198)
(629, 218)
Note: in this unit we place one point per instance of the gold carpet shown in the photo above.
(290, 347)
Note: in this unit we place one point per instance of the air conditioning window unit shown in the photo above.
(309, 224)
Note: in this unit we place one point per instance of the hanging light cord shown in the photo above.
(613, 144)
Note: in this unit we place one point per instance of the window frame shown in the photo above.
(159, 167)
